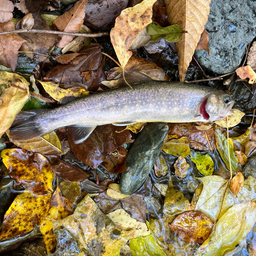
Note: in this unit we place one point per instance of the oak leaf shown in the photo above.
(191, 16)
(247, 72)
(6, 9)
(70, 21)
(128, 26)
(9, 45)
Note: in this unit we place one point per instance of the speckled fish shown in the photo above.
(170, 102)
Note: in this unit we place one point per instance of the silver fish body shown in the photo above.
(148, 102)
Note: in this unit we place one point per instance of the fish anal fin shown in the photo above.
(80, 133)
(124, 123)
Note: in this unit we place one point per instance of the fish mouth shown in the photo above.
(203, 111)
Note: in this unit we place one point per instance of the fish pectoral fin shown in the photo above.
(80, 133)
(124, 123)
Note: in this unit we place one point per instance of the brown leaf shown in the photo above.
(135, 206)
(9, 46)
(181, 167)
(27, 22)
(70, 21)
(104, 140)
(69, 172)
(21, 5)
(203, 43)
(6, 9)
(251, 60)
(246, 72)
(191, 16)
(128, 26)
(237, 183)
(192, 227)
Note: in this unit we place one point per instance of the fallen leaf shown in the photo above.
(251, 59)
(231, 120)
(230, 230)
(160, 166)
(133, 20)
(21, 5)
(9, 45)
(241, 157)
(114, 191)
(177, 147)
(236, 183)
(181, 167)
(142, 39)
(192, 227)
(246, 72)
(6, 10)
(12, 98)
(191, 16)
(70, 21)
(59, 94)
(135, 128)
(27, 22)
(31, 170)
(26, 211)
(203, 43)
(204, 163)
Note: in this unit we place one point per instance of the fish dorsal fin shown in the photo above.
(124, 123)
(80, 133)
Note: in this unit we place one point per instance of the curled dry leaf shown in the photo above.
(27, 21)
(251, 60)
(6, 9)
(191, 16)
(71, 21)
(236, 183)
(128, 26)
(203, 43)
(246, 72)
(181, 167)
(231, 120)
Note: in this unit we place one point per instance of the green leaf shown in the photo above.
(222, 146)
(171, 33)
(204, 163)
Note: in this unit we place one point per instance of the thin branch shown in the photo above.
(210, 79)
(53, 32)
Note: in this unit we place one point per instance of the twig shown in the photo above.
(248, 88)
(210, 79)
(199, 66)
(43, 98)
(53, 32)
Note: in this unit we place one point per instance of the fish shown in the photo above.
(155, 101)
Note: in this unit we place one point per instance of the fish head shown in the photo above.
(216, 106)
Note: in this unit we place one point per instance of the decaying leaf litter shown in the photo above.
(70, 195)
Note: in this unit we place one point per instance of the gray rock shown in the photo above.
(231, 26)
(249, 168)
(142, 156)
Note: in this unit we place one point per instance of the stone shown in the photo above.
(249, 168)
(142, 156)
(231, 26)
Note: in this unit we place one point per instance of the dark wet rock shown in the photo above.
(231, 26)
(142, 156)
(153, 206)
(249, 168)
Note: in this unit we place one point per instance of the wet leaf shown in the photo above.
(230, 230)
(6, 10)
(236, 183)
(114, 191)
(26, 211)
(177, 147)
(70, 21)
(14, 91)
(71, 190)
(69, 172)
(59, 94)
(31, 170)
(241, 157)
(134, 20)
(9, 45)
(222, 146)
(101, 142)
(191, 16)
(231, 120)
(181, 167)
(246, 72)
(204, 163)
(135, 128)
(171, 33)
(192, 227)
(136, 207)
(160, 167)
(48, 144)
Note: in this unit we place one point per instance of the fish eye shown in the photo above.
(226, 98)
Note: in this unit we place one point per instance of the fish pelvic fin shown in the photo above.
(80, 133)
(25, 127)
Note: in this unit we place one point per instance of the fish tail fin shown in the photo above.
(25, 126)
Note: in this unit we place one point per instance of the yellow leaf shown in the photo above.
(58, 94)
(128, 26)
(49, 238)
(26, 211)
(231, 120)
(14, 91)
(135, 128)
(191, 16)
(177, 147)
(114, 191)
(246, 72)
